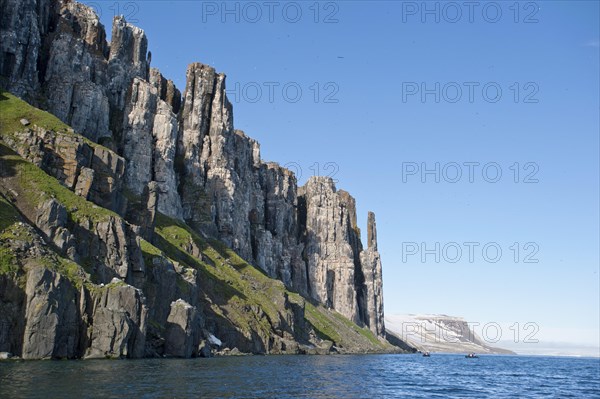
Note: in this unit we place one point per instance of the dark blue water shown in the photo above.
(367, 376)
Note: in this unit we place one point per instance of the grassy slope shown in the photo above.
(222, 273)
(13, 229)
(9, 219)
(232, 273)
(12, 110)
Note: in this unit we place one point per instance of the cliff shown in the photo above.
(442, 333)
(139, 222)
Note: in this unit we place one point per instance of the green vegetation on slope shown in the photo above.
(235, 277)
(333, 326)
(228, 280)
(13, 229)
(8, 217)
(32, 187)
(37, 187)
(13, 109)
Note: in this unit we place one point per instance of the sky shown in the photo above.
(471, 129)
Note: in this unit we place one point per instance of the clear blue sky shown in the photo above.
(373, 53)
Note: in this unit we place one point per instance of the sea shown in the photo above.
(315, 377)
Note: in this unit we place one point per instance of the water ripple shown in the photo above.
(314, 377)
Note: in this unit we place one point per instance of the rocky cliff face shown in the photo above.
(46, 310)
(372, 298)
(72, 69)
(340, 274)
(152, 156)
(332, 246)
